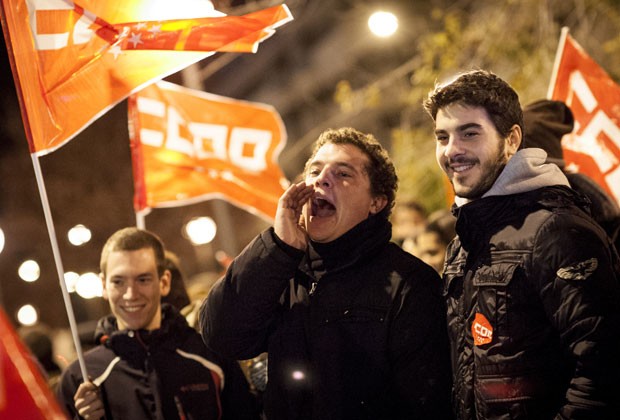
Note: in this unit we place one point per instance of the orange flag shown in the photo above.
(189, 146)
(24, 394)
(593, 148)
(72, 61)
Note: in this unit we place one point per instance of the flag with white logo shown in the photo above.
(593, 148)
(73, 60)
(189, 146)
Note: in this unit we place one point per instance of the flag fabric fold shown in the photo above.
(72, 61)
(190, 146)
(24, 393)
(593, 148)
(243, 33)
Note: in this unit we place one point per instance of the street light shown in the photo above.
(200, 230)
(29, 271)
(79, 235)
(27, 315)
(383, 24)
(89, 285)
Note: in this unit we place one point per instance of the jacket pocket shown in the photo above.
(494, 286)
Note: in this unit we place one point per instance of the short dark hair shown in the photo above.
(133, 239)
(380, 169)
(480, 88)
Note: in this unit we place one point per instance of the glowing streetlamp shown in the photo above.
(383, 24)
(79, 235)
(27, 315)
(29, 271)
(89, 285)
(200, 230)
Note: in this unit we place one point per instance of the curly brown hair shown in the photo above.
(380, 169)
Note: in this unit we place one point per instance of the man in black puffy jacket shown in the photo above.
(354, 326)
(531, 281)
(150, 364)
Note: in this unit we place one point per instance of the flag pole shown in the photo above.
(55, 249)
(140, 216)
(43, 194)
(556, 62)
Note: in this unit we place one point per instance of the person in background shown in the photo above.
(38, 339)
(354, 326)
(149, 363)
(408, 219)
(188, 301)
(546, 122)
(177, 296)
(430, 244)
(531, 281)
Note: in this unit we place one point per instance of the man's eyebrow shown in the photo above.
(345, 164)
(462, 127)
(466, 126)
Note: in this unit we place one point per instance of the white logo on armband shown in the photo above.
(580, 271)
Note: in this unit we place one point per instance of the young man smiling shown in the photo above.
(150, 364)
(531, 280)
(353, 325)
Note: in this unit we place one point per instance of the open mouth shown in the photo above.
(322, 208)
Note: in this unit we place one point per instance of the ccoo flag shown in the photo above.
(593, 148)
(73, 60)
(189, 146)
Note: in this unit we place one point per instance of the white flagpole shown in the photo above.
(140, 216)
(61, 277)
(556, 63)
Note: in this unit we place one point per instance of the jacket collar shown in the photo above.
(525, 171)
(362, 240)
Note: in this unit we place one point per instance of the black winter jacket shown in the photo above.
(533, 302)
(166, 373)
(355, 329)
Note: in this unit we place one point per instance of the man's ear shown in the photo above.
(377, 204)
(164, 283)
(514, 139)
(105, 292)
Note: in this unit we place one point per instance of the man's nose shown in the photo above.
(453, 147)
(129, 292)
(323, 179)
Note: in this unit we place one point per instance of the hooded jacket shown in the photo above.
(531, 283)
(166, 373)
(546, 122)
(354, 328)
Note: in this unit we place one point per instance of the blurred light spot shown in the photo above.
(200, 230)
(79, 235)
(27, 315)
(298, 375)
(1, 240)
(89, 285)
(383, 24)
(29, 271)
(71, 279)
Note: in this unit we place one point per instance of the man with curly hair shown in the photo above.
(353, 325)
